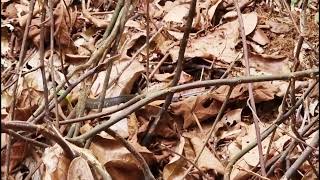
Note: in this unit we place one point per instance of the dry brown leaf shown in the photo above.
(256, 47)
(224, 38)
(279, 143)
(123, 170)
(134, 42)
(56, 163)
(278, 28)
(236, 174)
(79, 170)
(121, 127)
(177, 15)
(34, 80)
(125, 82)
(167, 77)
(271, 64)
(309, 175)
(263, 91)
(207, 160)
(203, 106)
(23, 10)
(6, 99)
(237, 92)
(10, 11)
(18, 152)
(156, 86)
(252, 157)
(117, 159)
(250, 22)
(175, 168)
(63, 24)
(260, 37)
(232, 117)
(165, 128)
(212, 9)
(109, 150)
(175, 34)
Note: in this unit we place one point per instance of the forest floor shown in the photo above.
(194, 89)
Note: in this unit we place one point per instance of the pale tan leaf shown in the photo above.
(278, 27)
(79, 170)
(252, 157)
(175, 168)
(207, 159)
(260, 37)
(56, 163)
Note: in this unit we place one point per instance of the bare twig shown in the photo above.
(21, 57)
(50, 3)
(19, 136)
(144, 166)
(8, 154)
(291, 146)
(15, 87)
(250, 89)
(183, 44)
(147, 41)
(186, 159)
(163, 59)
(143, 99)
(22, 125)
(218, 117)
(42, 67)
(302, 157)
(268, 131)
(251, 172)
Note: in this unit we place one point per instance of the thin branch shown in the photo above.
(251, 172)
(213, 127)
(42, 67)
(144, 99)
(147, 41)
(164, 58)
(19, 136)
(15, 87)
(144, 166)
(186, 159)
(267, 132)
(22, 54)
(291, 146)
(22, 125)
(90, 72)
(8, 154)
(250, 89)
(302, 157)
(50, 3)
(183, 44)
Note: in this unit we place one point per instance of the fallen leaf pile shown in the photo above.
(71, 45)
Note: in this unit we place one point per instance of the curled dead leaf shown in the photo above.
(203, 106)
(260, 37)
(278, 28)
(79, 169)
(207, 159)
(175, 168)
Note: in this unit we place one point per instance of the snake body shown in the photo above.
(94, 103)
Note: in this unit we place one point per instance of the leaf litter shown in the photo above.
(214, 48)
